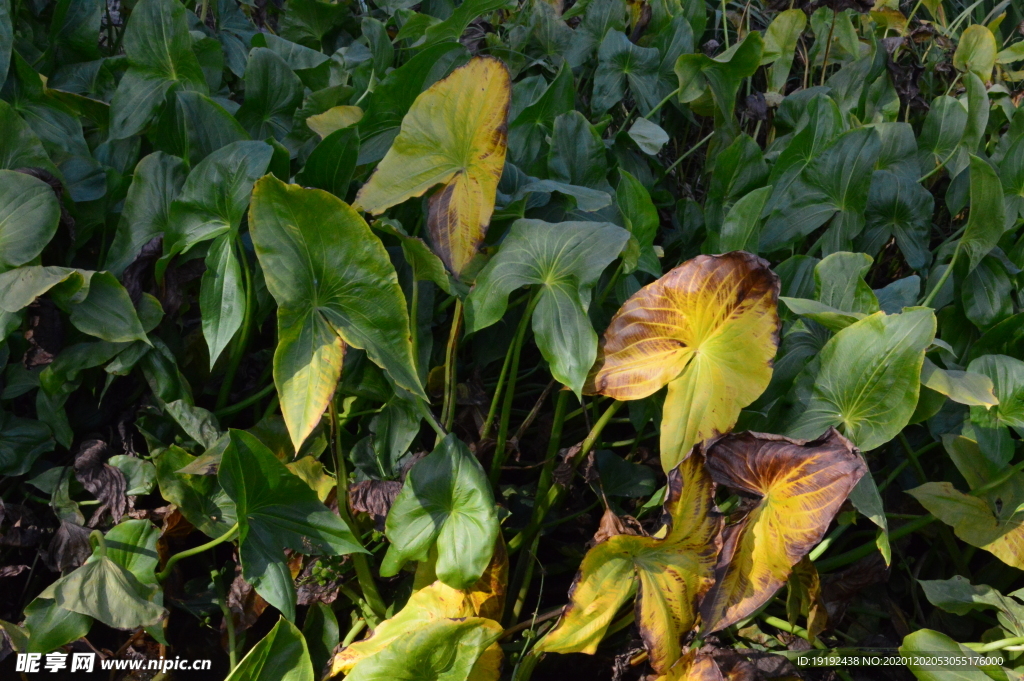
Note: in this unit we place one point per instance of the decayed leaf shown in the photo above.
(673, 572)
(801, 485)
(694, 666)
(454, 135)
(103, 481)
(974, 522)
(709, 329)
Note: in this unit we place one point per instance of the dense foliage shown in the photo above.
(615, 339)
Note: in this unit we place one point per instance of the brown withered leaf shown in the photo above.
(19, 526)
(694, 665)
(45, 333)
(374, 498)
(245, 604)
(69, 547)
(840, 588)
(800, 486)
(488, 593)
(132, 276)
(12, 570)
(610, 525)
(804, 599)
(104, 482)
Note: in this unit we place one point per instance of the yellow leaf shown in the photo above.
(454, 135)
(333, 119)
(976, 51)
(694, 666)
(313, 474)
(672, 573)
(802, 484)
(709, 329)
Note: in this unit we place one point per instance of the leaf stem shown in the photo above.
(486, 430)
(554, 493)
(500, 446)
(450, 378)
(661, 103)
(251, 399)
(173, 560)
(856, 554)
(359, 561)
(927, 302)
(694, 148)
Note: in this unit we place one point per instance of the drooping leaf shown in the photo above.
(160, 58)
(453, 135)
(282, 655)
(869, 379)
(650, 137)
(708, 329)
(276, 510)
(110, 593)
(970, 387)
(334, 285)
(671, 571)
(447, 504)
(801, 485)
(564, 261)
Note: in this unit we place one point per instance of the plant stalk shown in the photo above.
(450, 377)
(173, 560)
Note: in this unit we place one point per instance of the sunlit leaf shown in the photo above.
(282, 655)
(976, 51)
(453, 135)
(708, 329)
(446, 503)
(671, 571)
(801, 485)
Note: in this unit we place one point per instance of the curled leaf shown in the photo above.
(801, 485)
(708, 329)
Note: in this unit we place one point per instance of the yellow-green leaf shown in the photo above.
(801, 484)
(454, 135)
(709, 329)
(673, 570)
(335, 118)
(694, 666)
(976, 51)
(974, 522)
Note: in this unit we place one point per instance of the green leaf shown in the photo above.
(333, 282)
(942, 131)
(22, 441)
(898, 206)
(780, 46)
(160, 58)
(221, 297)
(19, 147)
(446, 502)
(320, 630)
(6, 37)
(276, 510)
(139, 474)
(157, 180)
(834, 186)
(452, 28)
(281, 655)
(985, 222)
(619, 61)
(959, 659)
(966, 387)
(742, 225)
(958, 596)
(869, 379)
(527, 133)
(600, 17)
(50, 626)
(107, 312)
(564, 261)
(110, 593)
(1007, 376)
(986, 293)
(332, 162)
(272, 94)
(577, 154)
(132, 545)
(193, 126)
(29, 213)
(650, 137)
(641, 217)
(722, 73)
(199, 497)
(215, 195)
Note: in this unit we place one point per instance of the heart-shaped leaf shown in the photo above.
(801, 485)
(564, 261)
(869, 379)
(446, 502)
(708, 329)
(619, 61)
(453, 135)
(672, 571)
(276, 510)
(110, 593)
(334, 285)
(976, 51)
(160, 58)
